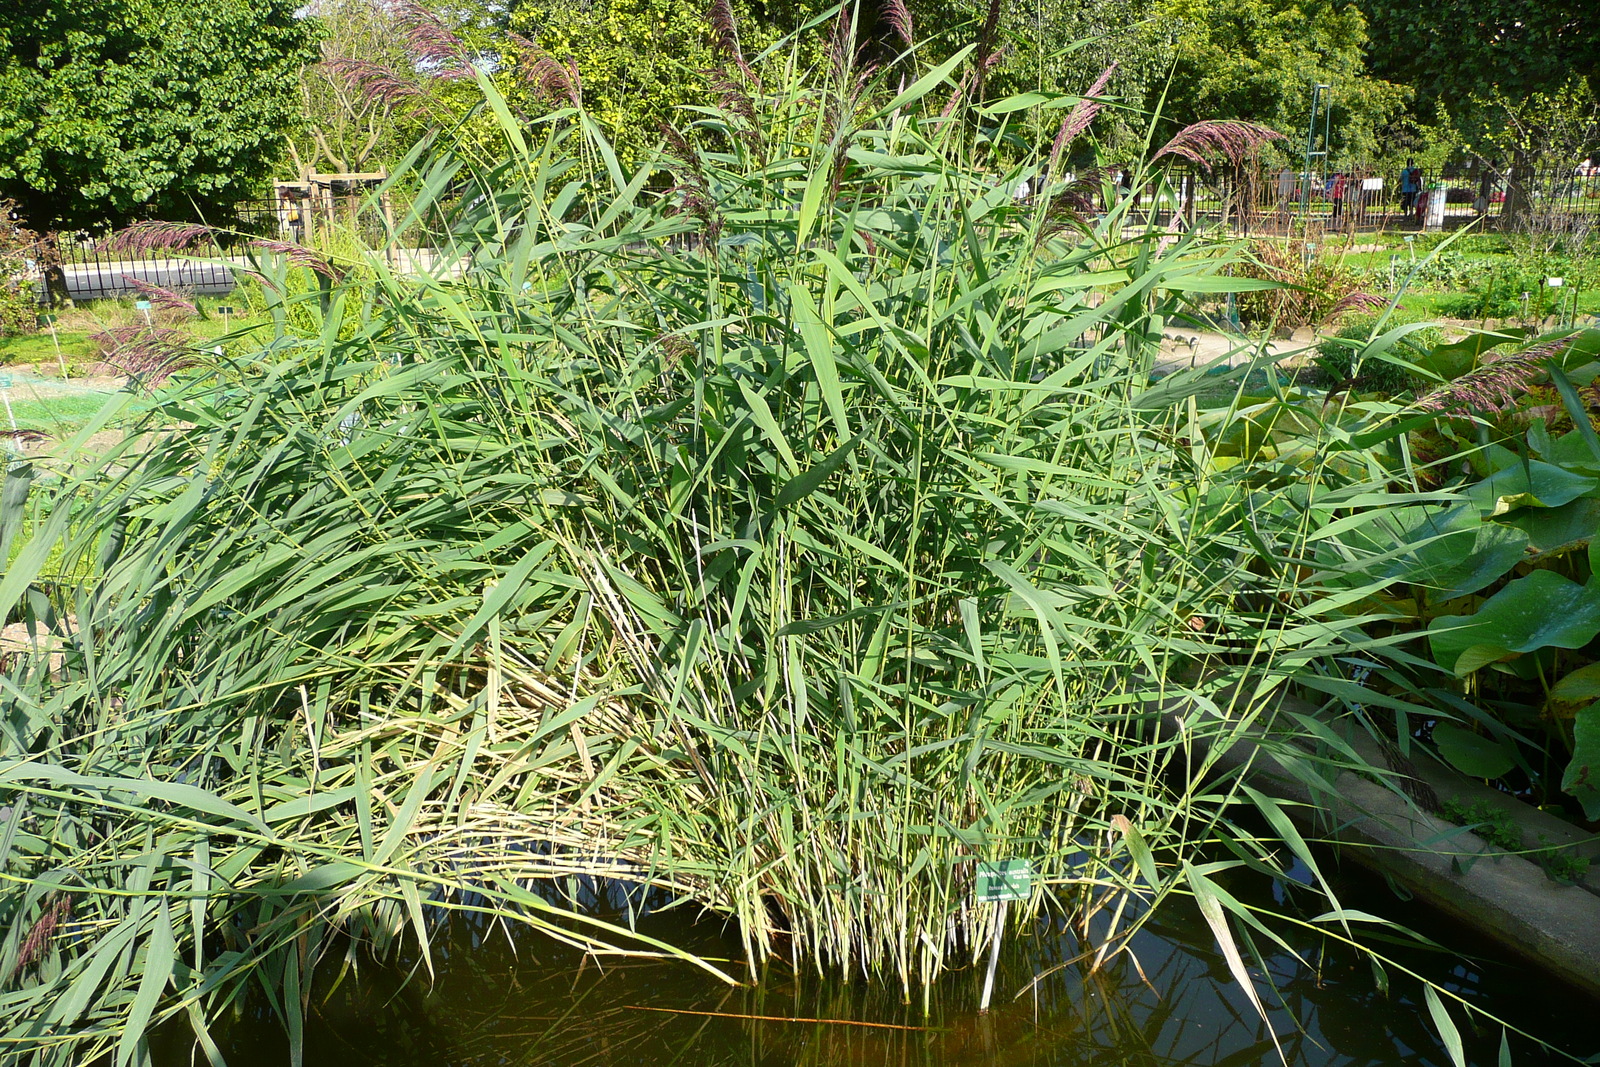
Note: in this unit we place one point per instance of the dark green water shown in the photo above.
(532, 1001)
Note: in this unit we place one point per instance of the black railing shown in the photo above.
(98, 268)
(1372, 197)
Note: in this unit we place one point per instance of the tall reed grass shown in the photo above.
(787, 525)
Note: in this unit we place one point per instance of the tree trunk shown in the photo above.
(1517, 211)
(55, 278)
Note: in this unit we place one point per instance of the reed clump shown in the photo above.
(784, 525)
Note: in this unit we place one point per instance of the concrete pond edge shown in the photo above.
(1507, 897)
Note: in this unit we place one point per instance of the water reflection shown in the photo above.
(531, 1001)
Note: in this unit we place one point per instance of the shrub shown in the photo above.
(1315, 284)
(787, 541)
(20, 251)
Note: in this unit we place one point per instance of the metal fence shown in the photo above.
(1370, 197)
(99, 268)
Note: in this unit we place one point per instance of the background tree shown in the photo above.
(1485, 65)
(1061, 46)
(640, 61)
(344, 125)
(389, 71)
(1517, 47)
(1258, 60)
(112, 109)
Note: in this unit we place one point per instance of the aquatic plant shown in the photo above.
(787, 537)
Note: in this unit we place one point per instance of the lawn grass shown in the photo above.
(54, 415)
(77, 327)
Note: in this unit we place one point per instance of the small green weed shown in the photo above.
(1494, 825)
(1498, 827)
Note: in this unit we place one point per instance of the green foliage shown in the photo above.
(1442, 270)
(640, 62)
(1496, 290)
(1552, 126)
(111, 109)
(1503, 583)
(372, 93)
(1052, 47)
(1582, 777)
(342, 127)
(1489, 821)
(1498, 827)
(785, 542)
(1311, 283)
(1515, 47)
(20, 250)
(1257, 60)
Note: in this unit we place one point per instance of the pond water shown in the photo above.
(529, 1000)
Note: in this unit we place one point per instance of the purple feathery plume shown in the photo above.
(737, 105)
(558, 81)
(300, 256)
(725, 33)
(732, 98)
(1359, 301)
(679, 148)
(426, 36)
(553, 81)
(32, 949)
(697, 198)
(841, 43)
(1069, 207)
(161, 298)
(151, 235)
(956, 96)
(1079, 118)
(376, 82)
(898, 17)
(152, 353)
(987, 55)
(1495, 386)
(1231, 138)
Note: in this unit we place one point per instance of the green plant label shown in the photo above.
(141, 305)
(1004, 880)
(5, 381)
(224, 309)
(47, 320)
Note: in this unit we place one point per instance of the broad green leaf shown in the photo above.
(1532, 483)
(819, 350)
(1479, 656)
(1582, 778)
(808, 480)
(927, 83)
(1538, 610)
(184, 796)
(1143, 859)
(1472, 754)
(1463, 561)
(1211, 909)
(1281, 824)
(159, 956)
(1566, 528)
(1578, 685)
(1451, 361)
